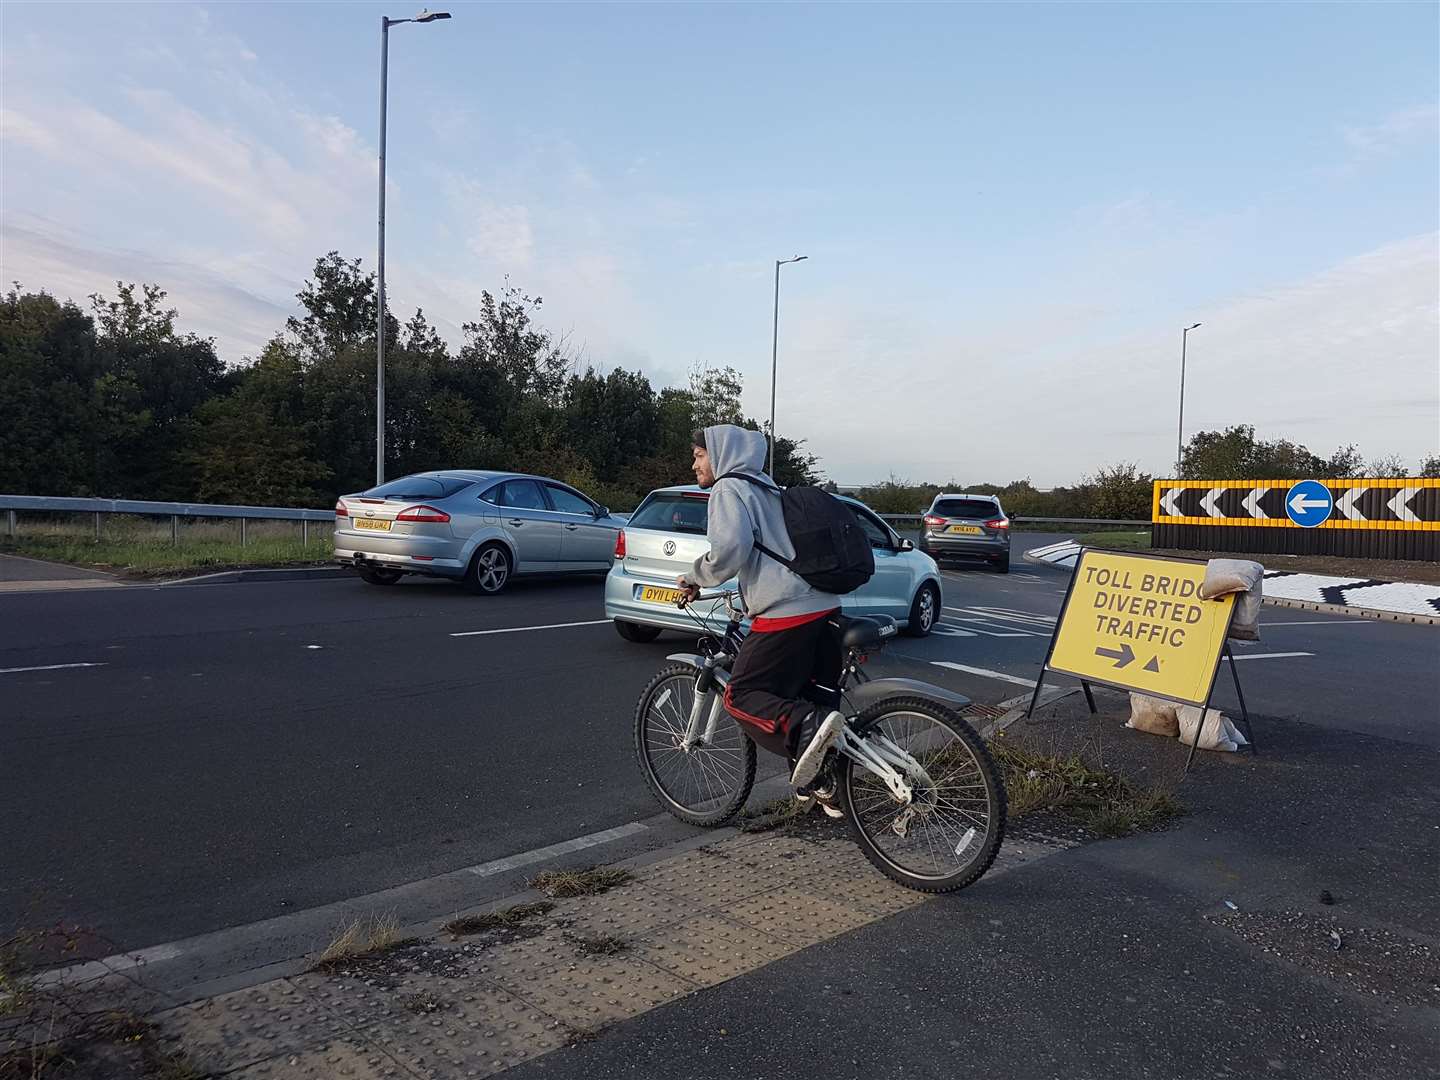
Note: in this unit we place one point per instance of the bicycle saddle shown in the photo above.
(866, 632)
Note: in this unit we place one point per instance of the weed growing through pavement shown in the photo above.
(369, 935)
(1105, 802)
(51, 1027)
(562, 884)
(772, 815)
(599, 945)
(504, 919)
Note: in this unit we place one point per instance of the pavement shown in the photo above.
(245, 763)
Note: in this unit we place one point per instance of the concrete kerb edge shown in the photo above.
(229, 577)
(1358, 612)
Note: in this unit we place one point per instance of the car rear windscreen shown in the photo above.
(673, 512)
(967, 508)
(419, 487)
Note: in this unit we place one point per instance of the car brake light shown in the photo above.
(423, 514)
(934, 520)
(998, 523)
(340, 510)
(620, 544)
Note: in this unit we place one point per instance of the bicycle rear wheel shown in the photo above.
(706, 784)
(950, 832)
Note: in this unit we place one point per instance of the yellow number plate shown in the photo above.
(651, 594)
(970, 530)
(371, 523)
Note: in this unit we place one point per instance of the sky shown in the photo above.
(1009, 211)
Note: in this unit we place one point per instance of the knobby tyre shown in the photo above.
(707, 785)
(959, 821)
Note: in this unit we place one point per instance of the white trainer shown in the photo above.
(807, 767)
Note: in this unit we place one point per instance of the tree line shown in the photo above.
(115, 402)
(1124, 492)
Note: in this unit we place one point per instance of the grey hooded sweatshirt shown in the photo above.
(742, 513)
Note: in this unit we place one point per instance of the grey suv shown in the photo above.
(967, 527)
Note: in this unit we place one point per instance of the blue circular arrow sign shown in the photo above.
(1309, 503)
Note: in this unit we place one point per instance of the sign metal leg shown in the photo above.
(1089, 697)
(1034, 698)
(1244, 712)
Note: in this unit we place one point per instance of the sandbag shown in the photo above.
(1218, 733)
(1153, 715)
(1226, 576)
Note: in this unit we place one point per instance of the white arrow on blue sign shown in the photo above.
(1309, 503)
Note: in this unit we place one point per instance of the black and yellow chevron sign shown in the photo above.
(1410, 505)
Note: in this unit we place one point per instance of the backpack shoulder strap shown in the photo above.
(774, 491)
(752, 480)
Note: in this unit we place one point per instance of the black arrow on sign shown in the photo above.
(1122, 656)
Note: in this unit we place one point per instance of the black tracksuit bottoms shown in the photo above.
(774, 668)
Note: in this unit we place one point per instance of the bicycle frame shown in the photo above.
(875, 753)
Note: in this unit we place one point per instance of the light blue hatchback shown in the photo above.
(666, 534)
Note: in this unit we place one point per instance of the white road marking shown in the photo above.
(946, 630)
(975, 626)
(522, 629)
(1325, 622)
(1271, 655)
(984, 671)
(565, 847)
(47, 667)
(1030, 618)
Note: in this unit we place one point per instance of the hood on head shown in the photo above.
(735, 449)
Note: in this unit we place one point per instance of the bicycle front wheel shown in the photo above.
(706, 783)
(950, 830)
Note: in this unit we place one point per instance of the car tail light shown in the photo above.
(998, 523)
(620, 544)
(423, 514)
(934, 520)
(340, 510)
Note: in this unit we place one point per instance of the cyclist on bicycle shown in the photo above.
(793, 642)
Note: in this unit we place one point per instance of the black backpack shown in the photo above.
(832, 551)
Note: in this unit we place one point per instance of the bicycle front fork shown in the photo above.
(706, 710)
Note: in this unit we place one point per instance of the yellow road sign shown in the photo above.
(1137, 622)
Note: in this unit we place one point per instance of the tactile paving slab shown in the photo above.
(252, 1025)
(706, 881)
(445, 1050)
(796, 917)
(585, 992)
(622, 912)
(343, 1059)
(708, 949)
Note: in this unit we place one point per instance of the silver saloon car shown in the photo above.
(666, 534)
(480, 528)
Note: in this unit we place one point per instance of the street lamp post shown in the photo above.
(385, 24)
(1180, 432)
(774, 353)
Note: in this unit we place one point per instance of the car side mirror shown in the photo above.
(602, 511)
(907, 545)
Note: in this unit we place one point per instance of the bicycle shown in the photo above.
(918, 787)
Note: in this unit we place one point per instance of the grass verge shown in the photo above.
(143, 547)
(369, 935)
(562, 884)
(1118, 539)
(1106, 803)
(505, 919)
